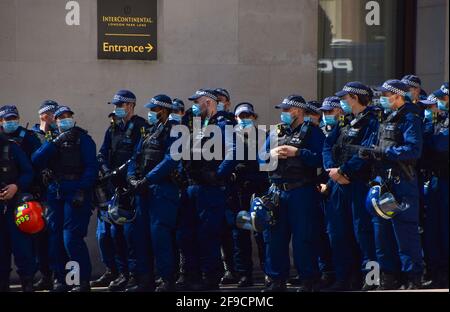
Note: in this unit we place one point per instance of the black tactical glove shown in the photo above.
(370, 153)
(69, 135)
(139, 186)
(78, 199)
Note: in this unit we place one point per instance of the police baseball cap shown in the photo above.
(160, 100)
(8, 111)
(178, 105)
(48, 106)
(123, 96)
(412, 81)
(431, 100)
(331, 103)
(395, 86)
(443, 91)
(356, 88)
(293, 101)
(204, 92)
(244, 107)
(63, 109)
(223, 92)
(314, 107)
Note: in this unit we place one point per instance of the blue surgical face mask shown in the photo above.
(175, 117)
(346, 107)
(10, 126)
(442, 105)
(152, 117)
(384, 101)
(329, 120)
(286, 118)
(245, 123)
(66, 124)
(409, 96)
(53, 126)
(220, 107)
(428, 114)
(307, 119)
(120, 112)
(196, 111)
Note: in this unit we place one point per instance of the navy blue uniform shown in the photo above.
(349, 224)
(297, 214)
(157, 206)
(436, 226)
(118, 145)
(16, 169)
(75, 168)
(398, 246)
(201, 221)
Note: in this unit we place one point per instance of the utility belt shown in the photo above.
(288, 186)
(68, 177)
(207, 178)
(398, 173)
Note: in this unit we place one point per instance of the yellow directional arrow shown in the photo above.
(149, 48)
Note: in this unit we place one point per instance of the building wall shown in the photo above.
(261, 50)
(432, 43)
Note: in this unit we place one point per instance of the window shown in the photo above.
(367, 41)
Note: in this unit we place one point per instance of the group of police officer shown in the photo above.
(354, 182)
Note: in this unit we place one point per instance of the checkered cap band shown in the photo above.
(296, 104)
(432, 98)
(162, 104)
(444, 90)
(123, 99)
(201, 93)
(331, 104)
(411, 83)
(355, 90)
(47, 108)
(394, 89)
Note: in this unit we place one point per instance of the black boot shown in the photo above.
(191, 282)
(181, 281)
(294, 281)
(414, 282)
(27, 284)
(245, 281)
(165, 286)
(228, 278)
(211, 282)
(105, 279)
(44, 283)
(4, 286)
(389, 281)
(132, 281)
(275, 286)
(82, 288)
(338, 286)
(308, 285)
(144, 283)
(326, 280)
(119, 283)
(60, 287)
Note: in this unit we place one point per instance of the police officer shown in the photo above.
(249, 181)
(229, 276)
(398, 147)
(202, 219)
(298, 156)
(45, 130)
(71, 157)
(150, 174)
(436, 228)
(332, 113)
(10, 120)
(119, 142)
(16, 176)
(349, 224)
